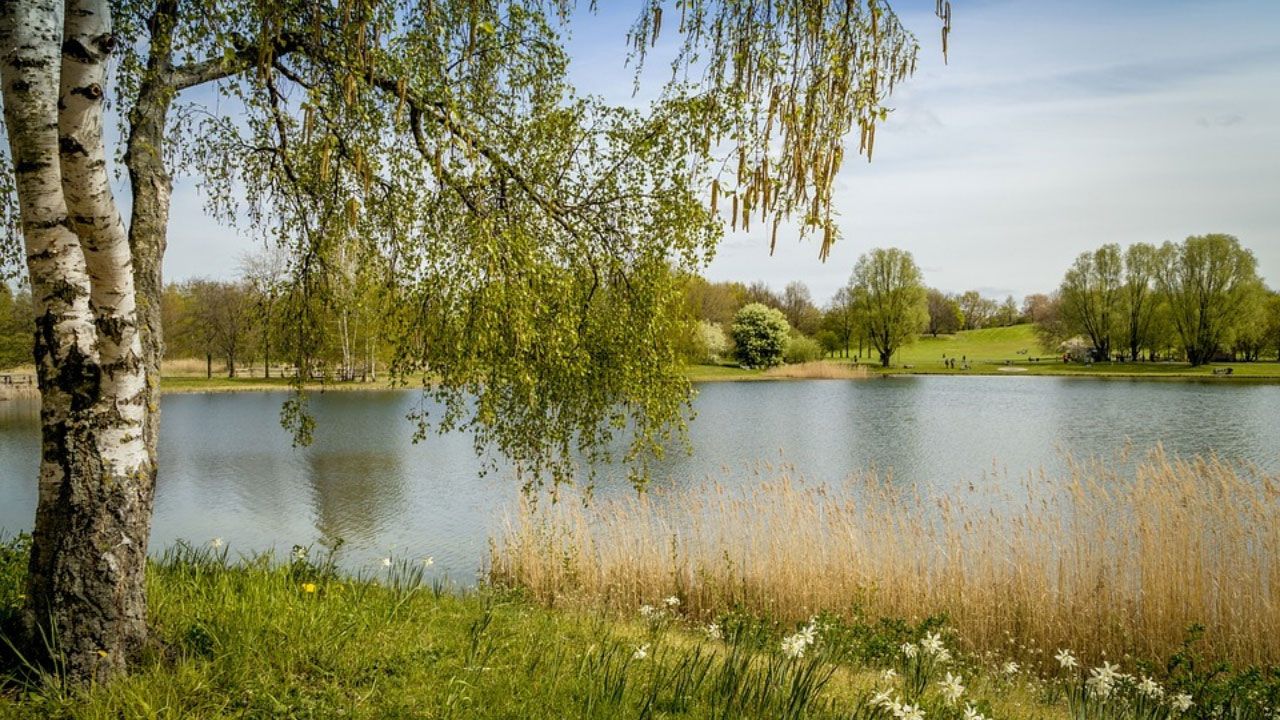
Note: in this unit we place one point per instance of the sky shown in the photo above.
(1054, 127)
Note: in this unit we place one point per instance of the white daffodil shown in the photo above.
(943, 655)
(1102, 679)
(641, 652)
(1181, 702)
(793, 646)
(932, 643)
(1150, 688)
(216, 543)
(671, 602)
(909, 650)
(951, 688)
(1010, 668)
(428, 561)
(1066, 659)
(971, 713)
(713, 632)
(909, 712)
(386, 562)
(882, 699)
(889, 675)
(647, 611)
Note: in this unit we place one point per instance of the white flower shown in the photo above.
(1010, 668)
(672, 601)
(216, 543)
(428, 561)
(1181, 702)
(909, 650)
(794, 645)
(1066, 659)
(951, 688)
(882, 699)
(889, 675)
(1149, 688)
(713, 632)
(641, 652)
(386, 562)
(299, 552)
(1102, 679)
(943, 655)
(932, 643)
(647, 611)
(908, 712)
(971, 713)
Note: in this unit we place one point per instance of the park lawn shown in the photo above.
(260, 639)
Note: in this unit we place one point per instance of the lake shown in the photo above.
(228, 469)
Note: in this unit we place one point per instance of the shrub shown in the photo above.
(802, 349)
(759, 336)
(712, 343)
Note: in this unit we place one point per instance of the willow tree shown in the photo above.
(890, 294)
(528, 234)
(1210, 284)
(1091, 296)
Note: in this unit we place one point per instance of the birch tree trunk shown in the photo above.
(85, 584)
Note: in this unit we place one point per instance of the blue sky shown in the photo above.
(1055, 127)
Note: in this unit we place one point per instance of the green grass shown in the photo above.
(261, 639)
(256, 638)
(1013, 350)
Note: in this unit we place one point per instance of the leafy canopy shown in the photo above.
(526, 238)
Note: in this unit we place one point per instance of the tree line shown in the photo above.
(1197, 301)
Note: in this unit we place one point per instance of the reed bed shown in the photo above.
(1106, 561)
(820, 370)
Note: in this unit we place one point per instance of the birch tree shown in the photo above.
(532, 235)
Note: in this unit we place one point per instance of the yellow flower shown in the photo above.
(309, 587)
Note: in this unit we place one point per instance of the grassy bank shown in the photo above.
(262, 639)
(1109, 564)
(1011, 351)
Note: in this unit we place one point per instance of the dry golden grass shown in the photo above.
(1093, 561)
(821, 370)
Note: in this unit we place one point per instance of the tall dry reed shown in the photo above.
(819, 370)
(1097, 559)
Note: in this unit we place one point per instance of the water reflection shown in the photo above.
(229, 470)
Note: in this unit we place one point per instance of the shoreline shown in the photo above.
(700, 374)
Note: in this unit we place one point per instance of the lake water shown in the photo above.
(228, 469)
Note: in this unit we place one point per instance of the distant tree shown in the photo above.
(1272, 309)
(1139, 301)
(16, 334)
(759, 335)
(1046, 312)
(1008, 313)
(1210, 284)
(797, 305)
(801, 349)
(1036, 307)
(977, 310)
(944, 313)
(891, 296)
(759, 292)
(714, 302)
(713, 344)
(223, 311)
(266, 274)
(841, 320)
(1091, 295)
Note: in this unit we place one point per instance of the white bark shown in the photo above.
(87, 44)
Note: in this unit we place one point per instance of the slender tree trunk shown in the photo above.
(84, 585)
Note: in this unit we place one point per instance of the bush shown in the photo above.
(759, 336)
(712, 344)
(802, 349)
